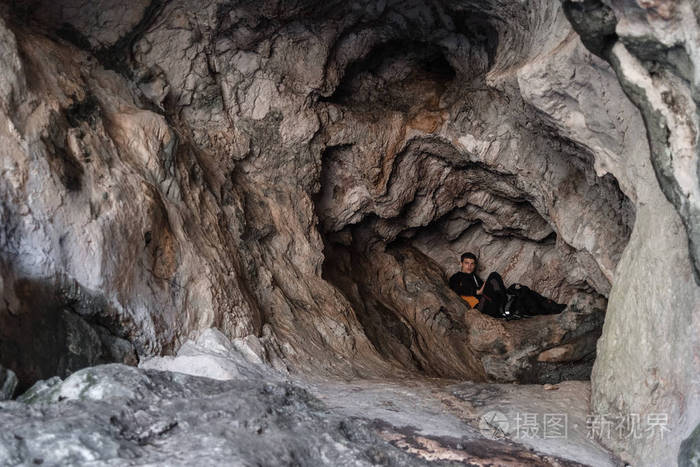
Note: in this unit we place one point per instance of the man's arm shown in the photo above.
(454, 283)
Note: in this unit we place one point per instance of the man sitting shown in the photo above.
(487, 297)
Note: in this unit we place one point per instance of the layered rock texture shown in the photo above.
(653, 48)
(305, 175)
(244, 413)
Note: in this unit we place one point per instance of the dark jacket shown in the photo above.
(465, 284)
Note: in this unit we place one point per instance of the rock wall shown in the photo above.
(197, 149)
(104, 196)
(309, 174)
(649, 358)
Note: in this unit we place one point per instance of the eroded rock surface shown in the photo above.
(653, 49)
(215, 173)
(412, 319)
(305, 176)
(115, 414)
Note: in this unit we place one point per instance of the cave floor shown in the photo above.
(214, 404)
(476, 423)
(120, 415)
(432, 420)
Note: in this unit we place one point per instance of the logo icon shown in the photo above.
(494, 424)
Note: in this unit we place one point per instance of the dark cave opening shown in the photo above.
(54, 327)
(392, 70)
(401, 298)
(393, 236)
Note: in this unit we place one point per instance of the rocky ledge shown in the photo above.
(251, 414)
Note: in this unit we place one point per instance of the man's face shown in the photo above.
(468, 265)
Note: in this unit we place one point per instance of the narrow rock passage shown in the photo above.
(402, 301)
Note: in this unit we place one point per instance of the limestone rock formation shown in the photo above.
(141, 417)
(413, 320)
(112, 414)
(212, 355)
(304, 175)
(653, 49)
(8, 383)
(200, 203)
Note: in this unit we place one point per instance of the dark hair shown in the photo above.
(468, 255)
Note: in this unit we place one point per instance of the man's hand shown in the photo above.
(481, 290)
